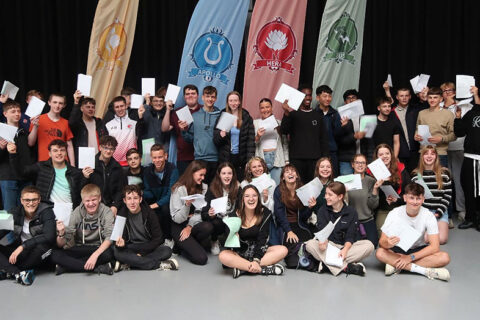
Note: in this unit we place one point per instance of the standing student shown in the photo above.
(437, 179)
(238, 145)
(51, 126)
(254, 255)
(343, 237)
(153, 118)
(271, 145)
(292, 217)
(189, 232)
(387, 130)
(254, 168)
(365, 200)
(423, 257)
(224, 184)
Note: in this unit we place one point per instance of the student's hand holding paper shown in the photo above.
(76, 96)
(323, 245)
(392, 241)
(260, 132)
(292, 237)
(265, 195)
(435, 139)
(120, 242)
(359, 135)
(391, 199)
(343, 252)
(169, 105)
(377, 185)
(312, 202)
(188, 203)
(87, 171)
(286, 107)
(344, 121)
(147, 98)
(141, 111)
(3, 98)
(3, 143)
(211, 212)
(418, 137)
(11, 147)
(182, 124)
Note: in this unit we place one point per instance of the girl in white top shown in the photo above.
(255, 167)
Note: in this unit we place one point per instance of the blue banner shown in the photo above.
(212, 48)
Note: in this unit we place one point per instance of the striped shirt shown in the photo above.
(441, 197)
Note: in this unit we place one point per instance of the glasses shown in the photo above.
(360, 162)
(34, 200)
(448, 90)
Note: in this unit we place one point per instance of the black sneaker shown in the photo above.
(355, 268)
(120, 266)
(169, 264)
(59, 270)
(274, 269)
(104, 269)
(26, 277)
(237, 273)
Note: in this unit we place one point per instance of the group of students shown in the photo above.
(275, 224)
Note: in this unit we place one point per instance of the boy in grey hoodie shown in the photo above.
(86, 239)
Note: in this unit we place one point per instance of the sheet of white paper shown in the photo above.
(86, 157)
(353, 184)
(422, 81)
(428, 194)
(134, 180)
(463, 85)
(293, 96)
(389, 80)
(332, 258)
(323, 234)
(8, 132)
(63, 211)
(408, 235)
(184, 114)
(424, 131)
(148, 86)
(136, 100)
(172, 93)
(379, 169)
(6, 220)
(199, 203)
(146, 146)
(309, 190)
(368, 124)
(352, 109)
(389, 191)
(219, 205)
(35, 107)
(414, 83)
(193, 197)
(269, 124)
(10, 89)
(84, 84)
(464, 102)
(226, 121)
(262, 182)
(118, 228)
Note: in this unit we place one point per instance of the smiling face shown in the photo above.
(266, 109)
(30, 202)
(158, 103)
(413, 202)
(307, 101)
(324, 99)
(91, 203)
(209, 99)
(429, 157)
(290, 175)
(325, 169)
(332, 198)
(57, 154)
(158, 159)
(56, 104)
(250, 198)
(385, 109)
(434, 100)
(256, 168)
(120, 108)
(199, 175)
(88, 109)
(385, 155)
(132, 200)
(234, 102)
(226, 175)
(191, 97)
(359, 165)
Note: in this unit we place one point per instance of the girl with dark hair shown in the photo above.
(254, 255)
(188, 230)
(224, 183)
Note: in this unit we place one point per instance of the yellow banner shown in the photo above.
(111, 43)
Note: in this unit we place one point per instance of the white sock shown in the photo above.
(417, 269)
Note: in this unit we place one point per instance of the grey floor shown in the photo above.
(209, 292)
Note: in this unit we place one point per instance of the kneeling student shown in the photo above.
(141, 245)
(423, 258)
(33, 238)
(86, 239)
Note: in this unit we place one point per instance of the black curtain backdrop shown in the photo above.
(45, 43)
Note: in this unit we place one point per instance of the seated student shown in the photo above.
(422, 258)
(141, 246)
(10, 183)
(254, 168)
(56, 179)
(190, 234)
(158, 179)
(224, 184)
(439, 183)
(33, 237)
(291, 215)
(135, 169)
(365, 200)
(108, 174)
(238, 145)
(85, 243)
(324, 172)
(271, 146)
(254, 255)
(387, 130)
(398, 179)
(344, 235)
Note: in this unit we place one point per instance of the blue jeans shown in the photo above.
(275, 172)
(443, 160)
(345, 168)
(11, 193)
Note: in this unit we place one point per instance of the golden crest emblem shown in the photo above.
(111, 45)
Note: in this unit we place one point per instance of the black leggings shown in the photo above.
(27, 259)
(218, 228)
(148, 261)
(74, 259)
(193, 247)
(291, 260)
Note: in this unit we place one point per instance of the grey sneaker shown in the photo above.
(438, 273)
(104, 269)
(215, 250)
(120, 266)
(274, 269)
(169, 243)
(169, 264)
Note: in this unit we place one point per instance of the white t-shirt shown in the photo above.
(25, 235)
(269, 140)
(424, 221)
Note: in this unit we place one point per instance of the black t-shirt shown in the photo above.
(385, 131)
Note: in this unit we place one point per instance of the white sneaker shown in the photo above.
(169, 243)
(389, 270)
(169, 264)
(215, 250)
(438, 273)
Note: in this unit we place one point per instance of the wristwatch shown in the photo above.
(412, 256)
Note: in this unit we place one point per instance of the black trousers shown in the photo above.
(472, 202)
(149, 261)
(27, 259)
(165, 219)
(218, 228)
(74, 259)
(305, 167)
(291, 260)
(193, 248)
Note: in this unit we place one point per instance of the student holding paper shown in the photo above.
(254, 168)
(84, 245)
(324, 172)
(292, 218)
(238, 145)
(153, 118)
(225, 184)
(254, 255)
(200, 132)
(387, 130)
(86, 128)
(10, 183)
(343, 237)
(365, 200)
(141, 246)
(271, 145)
(34, 236)
(188, 230)
(423, 257)
(132, 113)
